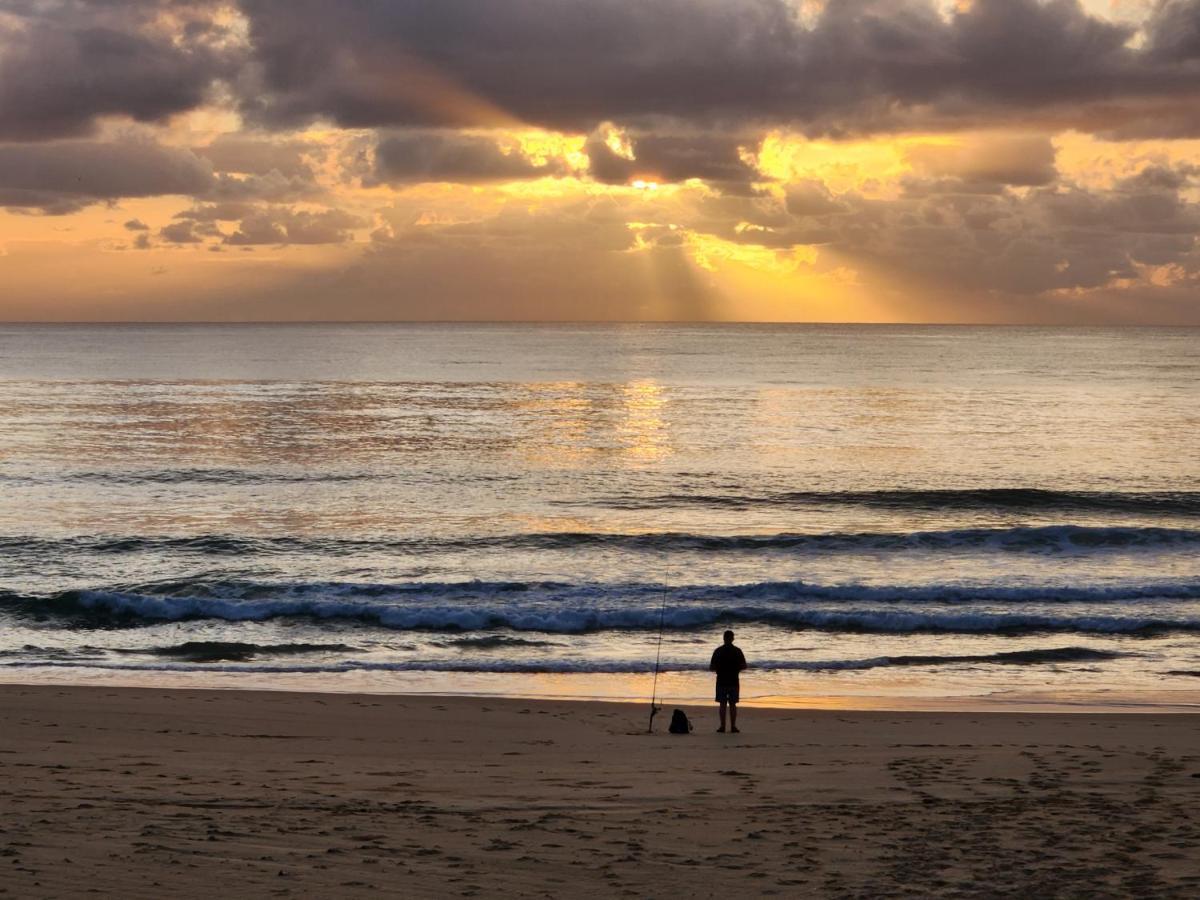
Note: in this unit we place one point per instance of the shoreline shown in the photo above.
(276, 793)
(575, 689)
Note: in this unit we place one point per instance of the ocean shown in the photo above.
(886, 516)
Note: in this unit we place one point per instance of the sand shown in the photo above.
(156, 793)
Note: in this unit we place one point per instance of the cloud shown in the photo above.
(261, 224)
(1052, 238)
(1174, 33)
(423, 156)
(273, 186)
(180, 233)
(66, 63)
(286, 226)
(858, 66)
(670, 157)
(64, 176)
(136, 225)
(250, 154)
(854, 66)
(226, 211)
(811, 198)
(998, 160)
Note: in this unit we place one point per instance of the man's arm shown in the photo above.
(742, 666)
(712, 663)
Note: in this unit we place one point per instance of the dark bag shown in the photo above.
(679, 723)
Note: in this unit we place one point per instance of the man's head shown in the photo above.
(728, 637)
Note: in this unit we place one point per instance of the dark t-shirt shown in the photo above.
(727, 661)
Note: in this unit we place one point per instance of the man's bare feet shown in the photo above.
(735, 730)
(721, 730)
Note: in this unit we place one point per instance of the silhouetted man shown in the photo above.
(728, 661)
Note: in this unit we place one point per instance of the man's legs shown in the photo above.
(722, 728)
(732, 716)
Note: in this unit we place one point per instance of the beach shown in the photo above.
(149, 793)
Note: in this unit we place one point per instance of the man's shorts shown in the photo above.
(727, 693)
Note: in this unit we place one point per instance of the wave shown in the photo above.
(1037, 539)
(1049, 539)
(191, 476)
(235, 477)
(1030, 500)
(493, 642)
(565, 608)
(1051, 656)
(212, 651)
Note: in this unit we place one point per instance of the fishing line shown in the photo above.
(662, 614)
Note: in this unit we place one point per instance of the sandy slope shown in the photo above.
(154, 793)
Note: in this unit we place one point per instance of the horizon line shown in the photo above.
(570, 322)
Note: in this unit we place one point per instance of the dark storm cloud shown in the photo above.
(857, 66)
(1175, 32)
(63, 63)
(423, 156)
(62, 177)
(545, 61)
(862, 65)
(672, 157)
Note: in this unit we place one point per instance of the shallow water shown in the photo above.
(879, 511)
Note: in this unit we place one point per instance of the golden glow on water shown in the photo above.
(642, 433)
(565, 411)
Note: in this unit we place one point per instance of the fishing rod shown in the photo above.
(662, 614)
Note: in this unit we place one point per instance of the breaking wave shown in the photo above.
(573, 608)
(1048, 539)
(1051, 656)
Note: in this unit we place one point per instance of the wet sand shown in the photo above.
(153, 793)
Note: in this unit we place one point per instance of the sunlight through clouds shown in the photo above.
(978, 160)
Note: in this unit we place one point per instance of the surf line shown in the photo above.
(654, 707)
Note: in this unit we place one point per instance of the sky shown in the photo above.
(975, 161)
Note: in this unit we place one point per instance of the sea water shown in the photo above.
(884, 515)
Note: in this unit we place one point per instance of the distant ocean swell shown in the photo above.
(244, 653)
(190, 476)
(1028, 500)
(1048, 539)
(573, 608)
(1014, 500)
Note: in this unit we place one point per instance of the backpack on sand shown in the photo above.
(679, 723)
